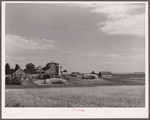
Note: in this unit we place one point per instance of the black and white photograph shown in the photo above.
(75, 59)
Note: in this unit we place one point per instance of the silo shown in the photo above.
(58, 70)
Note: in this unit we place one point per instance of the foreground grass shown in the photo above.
(102, 96)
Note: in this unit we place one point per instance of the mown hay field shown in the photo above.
(99, 96)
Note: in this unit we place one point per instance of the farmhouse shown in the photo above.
(19, 73)
(53, 70)
(105, 74)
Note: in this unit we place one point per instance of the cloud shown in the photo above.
(121, 63)
(69, 52)
(18, 43)
(112, 56)
(122, 18)
(139, 57)
(131, 49)
(93, 54)
(131, 25)
(116, 56)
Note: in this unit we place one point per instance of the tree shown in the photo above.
(30, 68)
(12, 71)
(77, 73)
(92, 72)
(48, 64)
(26, 71)
(73, 73)
(65, 71)
(17, 67)
(7, 69)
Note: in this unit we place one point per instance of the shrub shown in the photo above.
(57, 82)
(12, 81)
(8, 80)
(92, 72)
(46, 77)
(16, 81)
(65, 77)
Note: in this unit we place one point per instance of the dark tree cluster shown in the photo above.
(93, 72)
(9, 70)
(65, 71)
(30, 68)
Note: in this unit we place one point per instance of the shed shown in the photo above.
(90, 76)
(20, 73)
(105, 74)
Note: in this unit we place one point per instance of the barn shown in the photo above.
(105, 74)
(53, 70)
(20, 73)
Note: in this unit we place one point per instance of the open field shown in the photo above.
(117, 80)
(101, 96)
(120, 91)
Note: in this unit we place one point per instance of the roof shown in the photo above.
(105, 72)
(19, 71)
(53, 63)
(39, 67)
(90, 75)
(46, 68)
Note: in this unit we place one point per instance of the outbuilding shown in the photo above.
(20, 73)
(105, 74)
(90, 76)
(53, 70)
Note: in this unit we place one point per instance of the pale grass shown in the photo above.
(102, 96)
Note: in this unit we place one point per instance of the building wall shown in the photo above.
(51, 71)
(20, 74)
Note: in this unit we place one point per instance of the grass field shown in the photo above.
(127, 90)
(117, 79)
(103, 96)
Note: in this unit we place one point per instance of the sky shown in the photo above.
(82, 37)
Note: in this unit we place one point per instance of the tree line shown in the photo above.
(30, 68)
